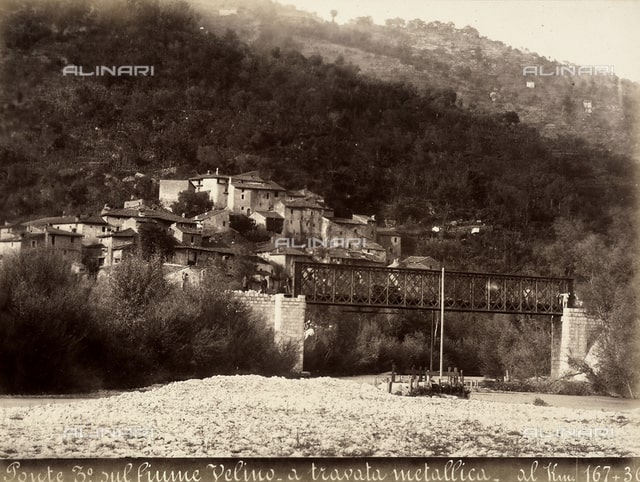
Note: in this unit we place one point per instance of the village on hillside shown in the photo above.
(298, 226)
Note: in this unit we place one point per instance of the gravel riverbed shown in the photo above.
(256, 416)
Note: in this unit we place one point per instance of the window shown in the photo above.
(192, 239)
(33, 244)
(104, 229)
(276, 194)
(73, 239)
(53, 240)
(242, 197)
(267, 195)
(224, 223)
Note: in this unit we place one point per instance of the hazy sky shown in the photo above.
(584, 32)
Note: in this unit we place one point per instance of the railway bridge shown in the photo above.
(395, 288)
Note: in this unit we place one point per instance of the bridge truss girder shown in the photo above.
(352, 285)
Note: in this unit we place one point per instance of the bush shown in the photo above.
(46, 326)
(60, 333)
(159, 333)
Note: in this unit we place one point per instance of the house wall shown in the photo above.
(251, 199)
(392, 243)
(218, 222)
(301, 223)
(170, 190)
(217, 188)
(332, 230)
(284, 315)
(89, 231)
(64, 243)
(8, 247)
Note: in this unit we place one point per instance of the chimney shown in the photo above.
(208, 171)
(217, 170)
(105, 210)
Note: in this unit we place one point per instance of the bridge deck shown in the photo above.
(351, 285)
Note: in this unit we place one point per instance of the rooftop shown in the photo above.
(148, 213)
(346, 221)
(303, 203)
(268, 214)
(210, 214)
(125, 233)
(66, 220)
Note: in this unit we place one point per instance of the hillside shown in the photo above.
(486, 74)
(411, 156)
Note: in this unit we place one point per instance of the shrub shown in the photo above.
(46, 326)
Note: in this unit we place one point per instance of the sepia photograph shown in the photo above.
(359, 232)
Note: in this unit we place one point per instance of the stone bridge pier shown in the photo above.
(572, 336)
(285, 315)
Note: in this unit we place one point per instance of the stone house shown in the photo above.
(170, 190)
(89, 227)
(390, 239)
(217, 220)
(115, 244)
(217, 185)
(357, 228)
(302, 218)
(248, 193)
(269, 220)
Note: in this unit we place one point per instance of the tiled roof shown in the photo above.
(288, 252)
(210, 176)
(12, 239)
(303, 203)
(61, 232)
(346, 221)
(188, 230)
(125, 233)
(419, 262)
(268, 214)
(371, 245)
(251, 184)
(209, 249)
(66, 220)
(210, 214)
(148, 213)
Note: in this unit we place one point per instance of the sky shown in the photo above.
(583, 32)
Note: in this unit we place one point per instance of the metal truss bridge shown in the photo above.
(351, 285)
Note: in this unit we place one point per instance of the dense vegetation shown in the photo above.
(60, 333)
(486, 74)
(414, 157)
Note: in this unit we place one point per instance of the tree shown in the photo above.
(155, 241)
(396, 23)
(45, 325)
(134, 285)
(190, 203)
(605, 270)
